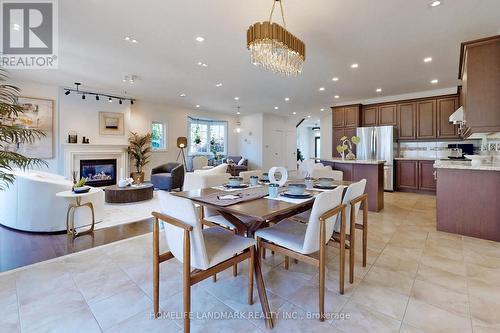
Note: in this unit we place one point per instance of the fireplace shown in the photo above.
(99, 172)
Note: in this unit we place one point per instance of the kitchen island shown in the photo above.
(468, 200)
(371, 170)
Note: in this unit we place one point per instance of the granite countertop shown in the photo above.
(339, 160)
(417, 158)
(466, 166)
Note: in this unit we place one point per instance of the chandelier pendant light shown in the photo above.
(275, 48)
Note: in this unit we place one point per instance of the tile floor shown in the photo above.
(416, 280)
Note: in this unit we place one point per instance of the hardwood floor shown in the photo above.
(18, 248)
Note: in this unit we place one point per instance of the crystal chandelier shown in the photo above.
(275, 48)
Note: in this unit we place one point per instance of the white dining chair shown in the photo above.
(353, 198)
(299, 241)
(327, 173)
(208, 251)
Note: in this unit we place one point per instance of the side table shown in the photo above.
(70, 223)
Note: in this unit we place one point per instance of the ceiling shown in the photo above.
(387, 39)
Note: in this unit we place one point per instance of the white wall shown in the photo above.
(250, 140)
(285, 125)
(326, 134)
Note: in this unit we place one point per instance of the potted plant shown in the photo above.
(139, 150)
(13, 134)
(346, 144)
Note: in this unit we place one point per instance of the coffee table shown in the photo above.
(115, 194)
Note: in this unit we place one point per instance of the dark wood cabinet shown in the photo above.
(426, 178)
(387, 115)
(415, 176)
(370, 116)
(351, 116)
(407, 174)
(346, 169)
(480, 74)
(426, 119)
(338, 116)
(445, 107)
(406, 121)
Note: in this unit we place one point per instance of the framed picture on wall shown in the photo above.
(111, 123)
(38, 114)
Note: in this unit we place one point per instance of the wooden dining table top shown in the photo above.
(261, 209)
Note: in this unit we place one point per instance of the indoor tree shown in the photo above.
(13, 135)
(139, 150)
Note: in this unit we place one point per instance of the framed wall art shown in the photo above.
(111, 123)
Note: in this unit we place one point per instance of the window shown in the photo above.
(207, 137)
(158, 136)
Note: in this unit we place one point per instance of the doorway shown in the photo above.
(317, 147)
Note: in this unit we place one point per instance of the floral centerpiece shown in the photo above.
(346, 145)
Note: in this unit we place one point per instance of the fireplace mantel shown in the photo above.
(74, 152)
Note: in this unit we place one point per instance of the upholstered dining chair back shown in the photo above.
(183, 209)
(327, 173)
(353, 191)
(323, 202)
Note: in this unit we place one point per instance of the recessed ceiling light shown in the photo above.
(309, 116)
(218, 84)
(335, 78)
(127, 38)
(200, 39)
(183, 95)
(322, 109)
(276, 107)
(294, 112)
(197, 105)
(287, 99)
(202, 64)
(435, 3)
(378, 90)
(236, 98)
(428, 59)
(434, 81)
(16, 27)
(134, 40)
(238, 112)
(110, 100)
(321, 88)
(336, 96)
(354, 66)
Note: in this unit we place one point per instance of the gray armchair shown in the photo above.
(168, 176)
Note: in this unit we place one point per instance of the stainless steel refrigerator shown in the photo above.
(379, 143)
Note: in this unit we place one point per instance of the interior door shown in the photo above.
(290, 151)
(274, 151)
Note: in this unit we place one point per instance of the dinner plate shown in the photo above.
(304, 195)
(331, 187)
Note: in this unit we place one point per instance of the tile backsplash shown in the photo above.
(435, 150)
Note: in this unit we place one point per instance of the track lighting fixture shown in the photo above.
(97, 95)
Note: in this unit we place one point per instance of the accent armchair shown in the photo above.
(168, 176)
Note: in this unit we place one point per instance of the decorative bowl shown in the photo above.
(326, 181)
(297, 189)
(235, 181)
(81, 189)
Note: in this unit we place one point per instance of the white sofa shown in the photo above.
(31, 204)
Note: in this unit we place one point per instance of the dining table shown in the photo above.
(258, 211)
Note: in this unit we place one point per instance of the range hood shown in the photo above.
(457, 117)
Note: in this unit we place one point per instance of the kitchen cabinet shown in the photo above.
(338, 116)
(346, 116)
(379, 115)
(426, 119)
(480, 73)
(415, 176)
(445, 107)
(407, 174)
(406, 113)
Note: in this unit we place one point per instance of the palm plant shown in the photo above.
(139, 150)
(12, 135)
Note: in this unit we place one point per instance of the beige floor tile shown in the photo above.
(364, 319)
(397, 264)
(484, 274)
(394, 281)
(381, 299)
(483, 290)
(81, 320)
(405, 328)
(115, 309)
(292, 318)
(485, 311)
(433, 319)
(9, 318)
(450, 252)
(482, 329)
(441, 297)
(475, 256)
(446, 264)
(455, 282)
(143, 322)
(281, 283)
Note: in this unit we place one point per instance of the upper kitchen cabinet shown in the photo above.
(445, 107)
(407, 121)
(379, 115)
(346, 116)
(480, 73)
(426, 119)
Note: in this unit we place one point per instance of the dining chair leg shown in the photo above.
(287, 262)
(156, 268)
(263, 253)
(214, 278)
(235, 270)
(365, 232)
(261, 289)
(250, 274)
(352, 245)
(342, 254)
(187, 281)
(322, 255)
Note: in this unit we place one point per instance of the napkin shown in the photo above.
(228, 197)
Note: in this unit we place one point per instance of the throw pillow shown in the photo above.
(242, 161)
